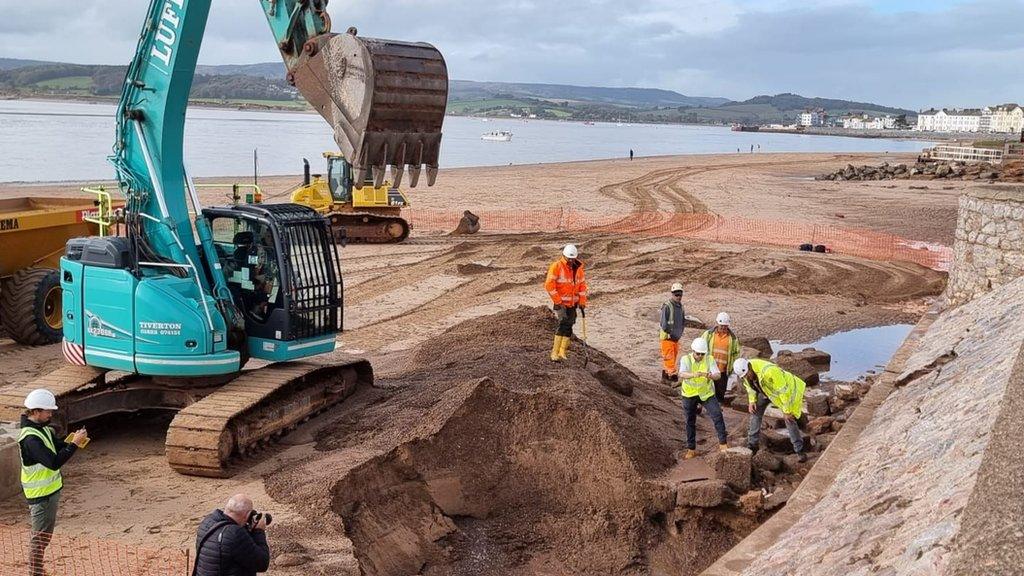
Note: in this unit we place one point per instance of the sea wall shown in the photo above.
(989, 247)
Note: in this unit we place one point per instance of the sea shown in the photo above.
(43, 140)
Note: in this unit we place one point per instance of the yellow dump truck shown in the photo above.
(33, 231)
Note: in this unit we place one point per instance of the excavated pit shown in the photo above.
(486, 458)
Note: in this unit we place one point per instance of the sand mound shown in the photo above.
(487, 459)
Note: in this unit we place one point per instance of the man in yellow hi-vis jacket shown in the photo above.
(42, 455)
(767, 384)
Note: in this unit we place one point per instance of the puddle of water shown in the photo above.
(855, 353)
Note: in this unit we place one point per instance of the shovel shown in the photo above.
(586, 347)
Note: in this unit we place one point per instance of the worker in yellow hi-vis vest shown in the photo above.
(697, 374)
(42, 456)
(766, 384)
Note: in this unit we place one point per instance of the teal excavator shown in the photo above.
(166, 316)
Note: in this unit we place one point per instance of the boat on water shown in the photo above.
(498, 136)
(745, 128)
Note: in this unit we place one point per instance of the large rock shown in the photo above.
(820, 425)
(701, 494)
(816, 402)
(759, 343)
(818, 358)
(801, 368)
(765, 460)
(733, 466)
(752, 503)
(778, 440)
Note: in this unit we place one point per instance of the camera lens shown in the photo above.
(269, 517)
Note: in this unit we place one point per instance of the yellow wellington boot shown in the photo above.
(690, 454)
(564, 348)
(556, 348)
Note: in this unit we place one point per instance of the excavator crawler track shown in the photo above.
(368, 228)
(62, 381)
(255, 408)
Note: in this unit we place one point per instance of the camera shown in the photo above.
(254, 519)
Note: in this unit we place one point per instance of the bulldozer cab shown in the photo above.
(339, 178)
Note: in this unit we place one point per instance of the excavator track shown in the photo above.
(369, 228)
(62, 382)
(258, 406)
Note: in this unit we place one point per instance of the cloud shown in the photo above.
(904, 52)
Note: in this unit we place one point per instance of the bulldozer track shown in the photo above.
(258, 406)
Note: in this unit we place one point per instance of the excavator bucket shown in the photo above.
(385, 99)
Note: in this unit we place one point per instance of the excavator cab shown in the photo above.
(281, 266)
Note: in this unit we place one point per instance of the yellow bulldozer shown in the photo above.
(367, 213)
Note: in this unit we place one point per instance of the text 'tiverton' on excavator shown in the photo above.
(167, 316)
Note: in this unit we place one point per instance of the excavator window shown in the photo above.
(248, 256)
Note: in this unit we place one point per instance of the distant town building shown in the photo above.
(1005, 118)
(865, 122)
(813, 118)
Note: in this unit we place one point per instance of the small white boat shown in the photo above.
(498, 136)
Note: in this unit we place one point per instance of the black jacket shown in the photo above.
(33, 451)
(232, 550)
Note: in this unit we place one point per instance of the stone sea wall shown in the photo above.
(989, 247)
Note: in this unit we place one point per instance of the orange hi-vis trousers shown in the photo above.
(670, 357)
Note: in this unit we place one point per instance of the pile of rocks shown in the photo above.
(1005, 172)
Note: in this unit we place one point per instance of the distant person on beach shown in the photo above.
(631, 154)
(751, 148)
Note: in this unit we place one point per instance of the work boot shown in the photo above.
(801, 457)
(690, 455)
(675, 378)
(753, 448)
(665, 378)
(723, 447)
(555, 348)
(564, 348)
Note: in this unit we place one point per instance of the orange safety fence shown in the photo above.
(858, 242)
(75, 556)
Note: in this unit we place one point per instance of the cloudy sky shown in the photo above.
(909, 53)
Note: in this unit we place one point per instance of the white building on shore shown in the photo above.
(812, 118)
(1004, 119)
(865, 122)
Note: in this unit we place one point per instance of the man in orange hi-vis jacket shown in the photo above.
(567, 288)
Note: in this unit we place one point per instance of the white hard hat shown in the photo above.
(41, 399)
(740, 367)
(699, 345)
(677, 287)
(723, 319)
(570, 251)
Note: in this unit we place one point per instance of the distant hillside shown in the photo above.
(639, 97)
(12, 63)
(796, 102)
(271, 70)
(263, 85)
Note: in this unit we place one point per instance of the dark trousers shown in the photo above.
(720, 385)
(566, 319)
(714, 410)
(754, 432)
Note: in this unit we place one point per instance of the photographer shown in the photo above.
(233, 542)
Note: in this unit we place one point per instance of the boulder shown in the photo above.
(694, 322)
(765, 460)
(816, 403)
(759, 343)
(778, 440)
(803, 369)
(848, 392)
(943, 170)
(701, 494)
(820, 425)
(752, 503)
(818, 358)
(732, 466)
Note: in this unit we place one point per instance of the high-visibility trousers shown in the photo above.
(670, 357)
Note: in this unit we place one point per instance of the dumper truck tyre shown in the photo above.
(30, 307)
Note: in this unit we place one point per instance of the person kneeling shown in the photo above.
(697, 374)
